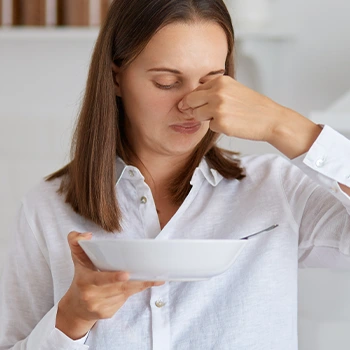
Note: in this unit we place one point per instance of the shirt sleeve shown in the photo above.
(328, 163)
(28, 313)
(319, 206)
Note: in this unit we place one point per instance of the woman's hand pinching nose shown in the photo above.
(185, 109)
(181, 105)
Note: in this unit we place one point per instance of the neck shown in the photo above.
(158, 170)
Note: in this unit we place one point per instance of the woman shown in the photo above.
(145, 165)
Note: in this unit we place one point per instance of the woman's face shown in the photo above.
(177, 59)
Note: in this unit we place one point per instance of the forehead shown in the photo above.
(186, 46)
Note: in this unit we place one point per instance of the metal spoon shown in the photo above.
(265, 230)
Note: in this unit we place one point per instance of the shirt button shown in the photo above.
(334, 189)
(159, 303)
(143, 200)
(131, 173)
(319, 162)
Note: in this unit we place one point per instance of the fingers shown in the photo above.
(114, 279)
(159, 283)
(78, 254)
(107, 278)
(120, 279)
(203, 113)
(126, 288)
(203, 93)
(194, 99)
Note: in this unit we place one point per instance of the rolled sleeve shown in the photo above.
(46, 334)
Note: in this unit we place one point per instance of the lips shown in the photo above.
(187, 124)
(186, 127)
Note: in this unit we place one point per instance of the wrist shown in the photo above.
(69, 323)
(293, 134)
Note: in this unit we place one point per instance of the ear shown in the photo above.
(116, 78)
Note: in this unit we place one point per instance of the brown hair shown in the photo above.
(88, 181)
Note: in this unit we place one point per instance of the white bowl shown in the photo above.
(164, 260)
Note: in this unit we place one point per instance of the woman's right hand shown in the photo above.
(93, 294)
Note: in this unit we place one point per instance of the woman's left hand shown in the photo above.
(235, 110)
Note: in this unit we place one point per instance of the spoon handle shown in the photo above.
(265, 230)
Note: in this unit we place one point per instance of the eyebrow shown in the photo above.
(175, 71)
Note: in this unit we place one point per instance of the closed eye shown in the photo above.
(165, 87)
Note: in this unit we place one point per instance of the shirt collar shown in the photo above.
(211, 175)
(127, 171)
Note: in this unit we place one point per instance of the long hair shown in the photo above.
(88, 180)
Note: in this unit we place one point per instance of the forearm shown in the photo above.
(345, 189)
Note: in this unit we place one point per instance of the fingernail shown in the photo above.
(123, 277)
(180, 105)
(159, 283)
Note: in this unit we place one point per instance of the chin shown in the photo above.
(184, 147)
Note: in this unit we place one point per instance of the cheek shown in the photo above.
(160, 103)
(149, 103)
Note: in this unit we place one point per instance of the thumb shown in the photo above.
(78, 254)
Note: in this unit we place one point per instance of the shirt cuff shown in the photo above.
(49, 337)
(328, 161)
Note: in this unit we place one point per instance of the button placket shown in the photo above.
(159, 296)
(159, 303)
(160, 317)
(147, 210)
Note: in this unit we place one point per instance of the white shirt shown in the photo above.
(253, 305)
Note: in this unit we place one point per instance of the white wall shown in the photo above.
(41, 82)
(319, 62)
